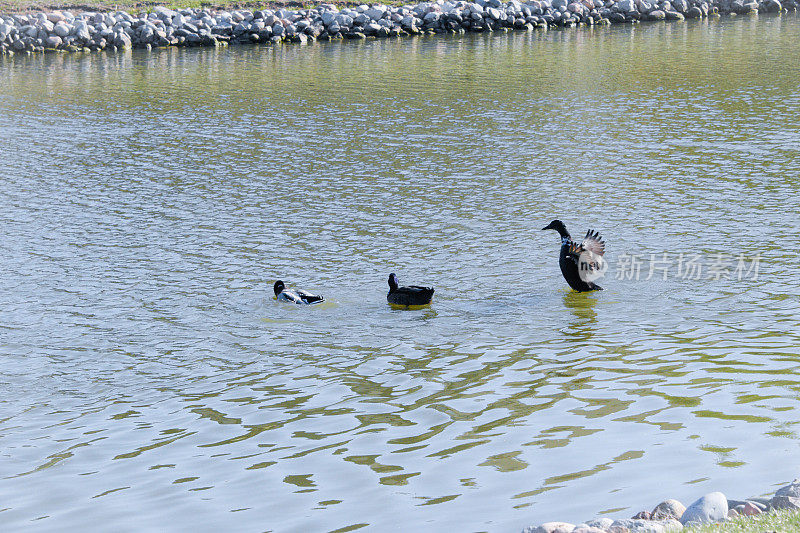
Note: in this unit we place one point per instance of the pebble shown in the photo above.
(34, 31)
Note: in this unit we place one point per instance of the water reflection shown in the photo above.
(582, 307)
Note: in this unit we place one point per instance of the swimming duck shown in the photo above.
(578, 270)
(297, 296)
(411, 295)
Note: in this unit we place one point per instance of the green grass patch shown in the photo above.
(779, 521)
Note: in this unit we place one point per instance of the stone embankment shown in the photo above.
(671, 515)
(89, 31)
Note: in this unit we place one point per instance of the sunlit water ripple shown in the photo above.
(149, 201)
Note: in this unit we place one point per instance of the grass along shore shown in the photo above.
(777, 521)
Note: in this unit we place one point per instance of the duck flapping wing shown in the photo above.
(593, 243)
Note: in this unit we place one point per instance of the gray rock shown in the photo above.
(645, 526)
(375, 13)
(583, 528)
(602, 523)
(694, 12)
(121, 40)
(551, 527)
(53, 41)
(673, 15)
(657, 14)
(713, 507)
(785, 502)
(61, 29)
(668, 509)
(792, 489)
(55, 17)
(82, 31)
(763, 503)
(493, 13)
(626, 6)
(345, 21)
(146, 34)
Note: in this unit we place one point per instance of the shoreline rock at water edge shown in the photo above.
(92, 31)
(670, 515)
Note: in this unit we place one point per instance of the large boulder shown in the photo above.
(713, 507)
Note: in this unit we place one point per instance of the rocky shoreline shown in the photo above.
(87, 31)
(671, 515)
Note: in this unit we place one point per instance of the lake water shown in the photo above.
(148, 202)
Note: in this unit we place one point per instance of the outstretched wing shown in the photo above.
(593, 242)
(308, 297)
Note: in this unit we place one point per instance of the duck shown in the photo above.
(579, 272)
(411, 295)
(297, 296)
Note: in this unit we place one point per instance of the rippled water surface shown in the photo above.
(148, 202)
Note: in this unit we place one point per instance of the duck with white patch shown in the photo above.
(295, 296)
(581, 263)
(410, 295)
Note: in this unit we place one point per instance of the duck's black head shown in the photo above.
(279, 286)
(558, 226)
(393, 284)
